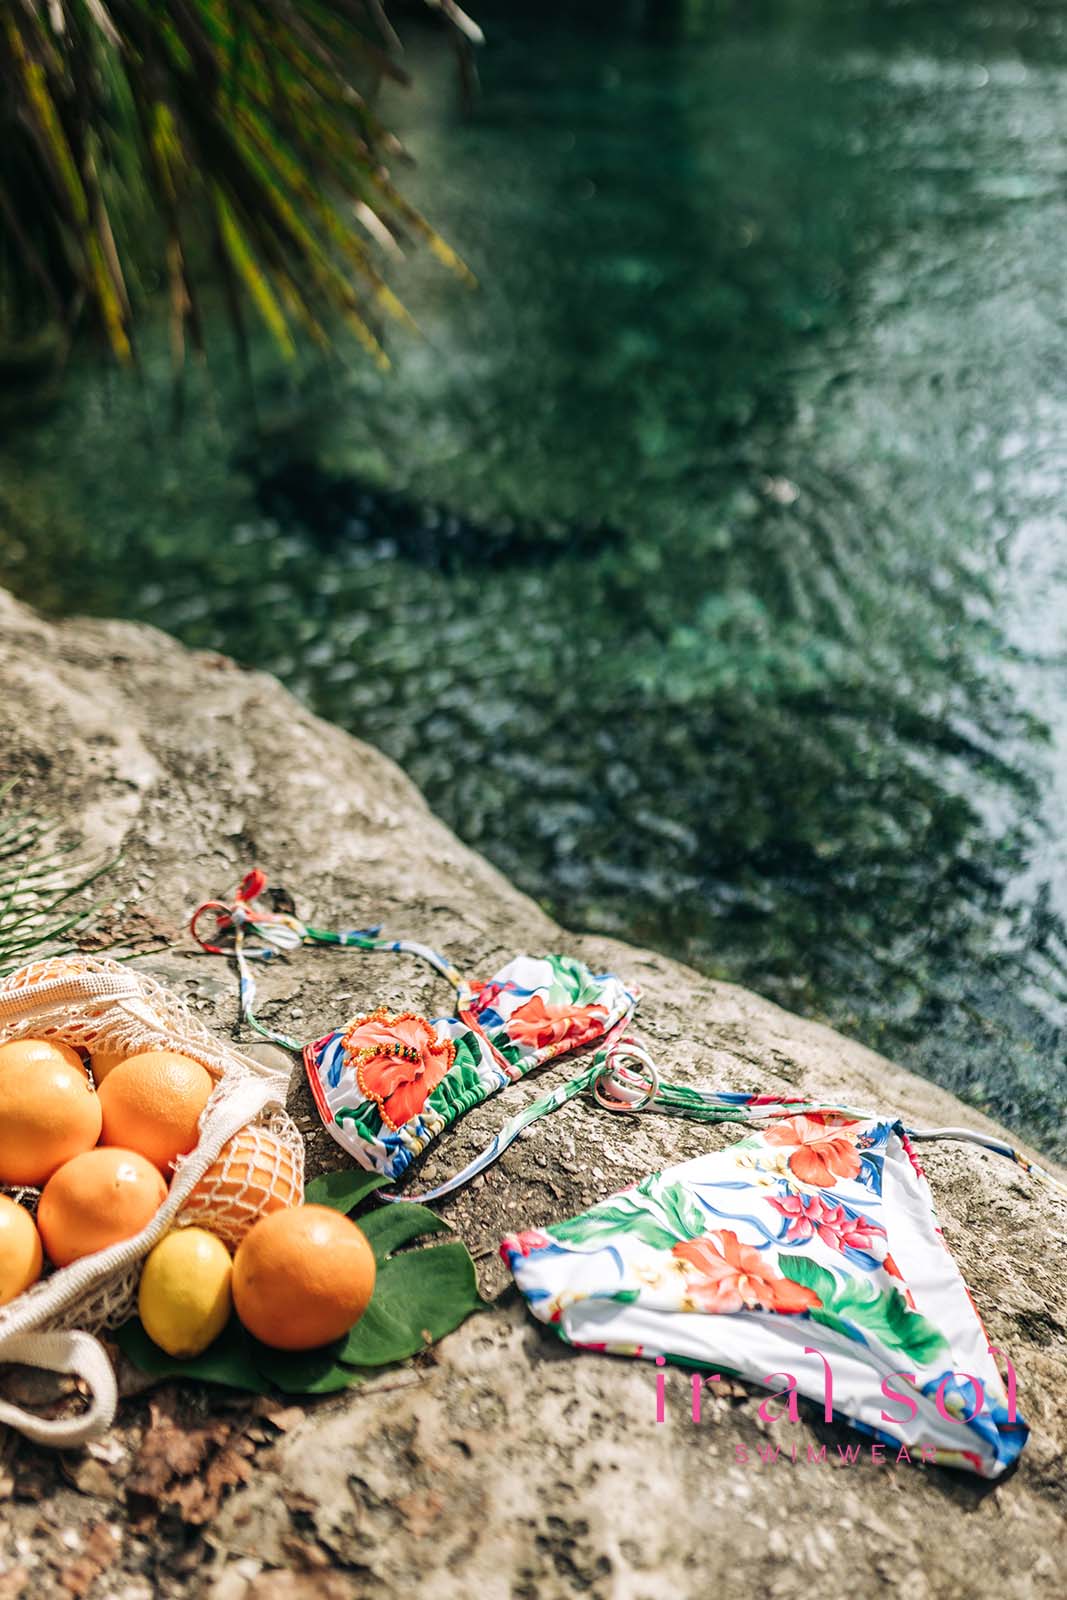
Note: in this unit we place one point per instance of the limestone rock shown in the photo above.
(510, 1466)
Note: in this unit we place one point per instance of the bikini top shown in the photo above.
(387, 1084)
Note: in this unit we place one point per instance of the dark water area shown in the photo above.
(706, 567)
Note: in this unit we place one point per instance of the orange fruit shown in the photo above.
(302, 1277)
(152, 1103)
(44, 972)
(48, 1110)
(102, 1061)
(255, 1173)
(99, 1198)
(20, 1250)
(41, 1050)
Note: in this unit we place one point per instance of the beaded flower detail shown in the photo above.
(398, 1061)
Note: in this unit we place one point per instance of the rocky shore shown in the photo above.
(502, 1464)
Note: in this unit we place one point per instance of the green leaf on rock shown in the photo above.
(343, 1190)
(380, 1338)
(418, 1298)
(229, 1360)
(394, 1225)
(305, 1371)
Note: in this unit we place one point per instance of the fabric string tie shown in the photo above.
(282, 933)
(617, 1088)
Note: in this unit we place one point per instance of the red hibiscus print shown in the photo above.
(488, 994)
(823, 1148)
(537, 1025)
(399, 1061)
(735, 1277)
(524, 1243)
(810, 1216)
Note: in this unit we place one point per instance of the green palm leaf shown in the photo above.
(39, 887)
(138, 141)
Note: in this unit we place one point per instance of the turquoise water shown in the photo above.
(705, 567)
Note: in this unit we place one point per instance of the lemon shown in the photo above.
(184, 1299)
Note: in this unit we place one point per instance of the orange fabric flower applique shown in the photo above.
(398, 1060)
(823, 1148)
(538, 1025)
(735, 1277)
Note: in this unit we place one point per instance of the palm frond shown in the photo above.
(137, 140)
(41, 882)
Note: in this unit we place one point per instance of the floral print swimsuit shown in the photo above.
(807, 1253)
(809, 1247)
(386, 1084)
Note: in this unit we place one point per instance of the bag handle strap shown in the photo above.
(17, 1004)
(66, 1351)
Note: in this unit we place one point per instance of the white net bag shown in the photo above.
(97, 1004)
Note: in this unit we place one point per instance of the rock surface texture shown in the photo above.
(503, 1464)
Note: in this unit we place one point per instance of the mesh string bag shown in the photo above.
(249, 1158)
(258, 1170)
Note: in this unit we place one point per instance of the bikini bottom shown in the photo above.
(806, 1259)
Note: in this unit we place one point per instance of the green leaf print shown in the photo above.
(807, 1272)
(675, 1205)
(572, 983)
(886, 1314)
(513, 1054)
(468, 1050)
(462, 1086)
(664, 1214)
(857, 1305)
(603, 1224)
(365, 1119)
